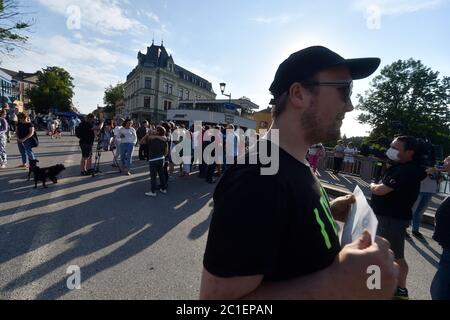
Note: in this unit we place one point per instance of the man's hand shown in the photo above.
(340, 207)
(351, 269)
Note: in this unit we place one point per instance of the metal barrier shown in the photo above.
(370, 169)
(364, 167)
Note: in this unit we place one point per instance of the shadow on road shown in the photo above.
(98, 222)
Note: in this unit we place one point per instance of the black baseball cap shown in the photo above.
(305, 63)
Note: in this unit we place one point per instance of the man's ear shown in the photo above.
(297, 95)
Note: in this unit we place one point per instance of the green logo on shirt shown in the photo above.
(325, 206)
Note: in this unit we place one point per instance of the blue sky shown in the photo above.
(235, 41)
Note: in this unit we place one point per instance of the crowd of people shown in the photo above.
(156, 145)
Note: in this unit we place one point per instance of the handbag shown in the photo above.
(34, 141)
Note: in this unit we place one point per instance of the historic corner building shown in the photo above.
(158, 89)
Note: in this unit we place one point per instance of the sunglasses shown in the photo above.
(345, 87)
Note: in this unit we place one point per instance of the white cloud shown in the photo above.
(396, 7)
(105, 16)
(92, 67)
(271, 20)
(152, 16)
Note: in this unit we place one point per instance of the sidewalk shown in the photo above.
(342, 184)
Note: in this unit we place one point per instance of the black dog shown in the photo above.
(47, 173)
(32, 165)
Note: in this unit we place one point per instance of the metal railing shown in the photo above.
(369, 169)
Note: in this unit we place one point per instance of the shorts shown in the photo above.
(393, 230)
(349, 159)
(86, 150)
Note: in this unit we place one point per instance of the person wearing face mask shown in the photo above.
(394, 198)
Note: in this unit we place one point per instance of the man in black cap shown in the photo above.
(274, 236)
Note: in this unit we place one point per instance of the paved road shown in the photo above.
(128, 246)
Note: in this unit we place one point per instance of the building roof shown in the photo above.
(157, 57)
(243, 103)
(268, 110)
(19, 75)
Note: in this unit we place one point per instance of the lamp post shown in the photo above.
(222, 88)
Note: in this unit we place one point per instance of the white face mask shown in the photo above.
(392, 154)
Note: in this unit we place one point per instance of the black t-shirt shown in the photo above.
(85, 132)
(156, 148)
(23, 129)
(405, 179)
(278, 226)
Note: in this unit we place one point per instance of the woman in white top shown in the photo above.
(128, 139)
(116, 128)
(349, 157)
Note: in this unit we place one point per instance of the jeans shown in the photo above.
(337, 164)
(210, 169)
(3, 157)
(157, 167)
(440, 286)
(126, 154)
(26, 151)
(420, 206)
(143, 152)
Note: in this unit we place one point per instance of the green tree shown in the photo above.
(408, 97)
(54, 90)
(113, 94)
(12, 27)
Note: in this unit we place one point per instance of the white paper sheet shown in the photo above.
(360, 218)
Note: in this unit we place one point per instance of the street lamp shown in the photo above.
(222, 88)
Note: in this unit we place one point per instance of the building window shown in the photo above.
(167, 105)
(180, 93)
(187, 94)
(169, 88)
(147, 101)
(148, 83)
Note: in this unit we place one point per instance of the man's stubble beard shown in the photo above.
(315, 131)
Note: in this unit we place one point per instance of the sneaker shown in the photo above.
(163, 191)
(151, 194)
(3, 166)
(418, 235)
(401, 294)
(83, 173)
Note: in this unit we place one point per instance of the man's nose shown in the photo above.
(349, 106)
